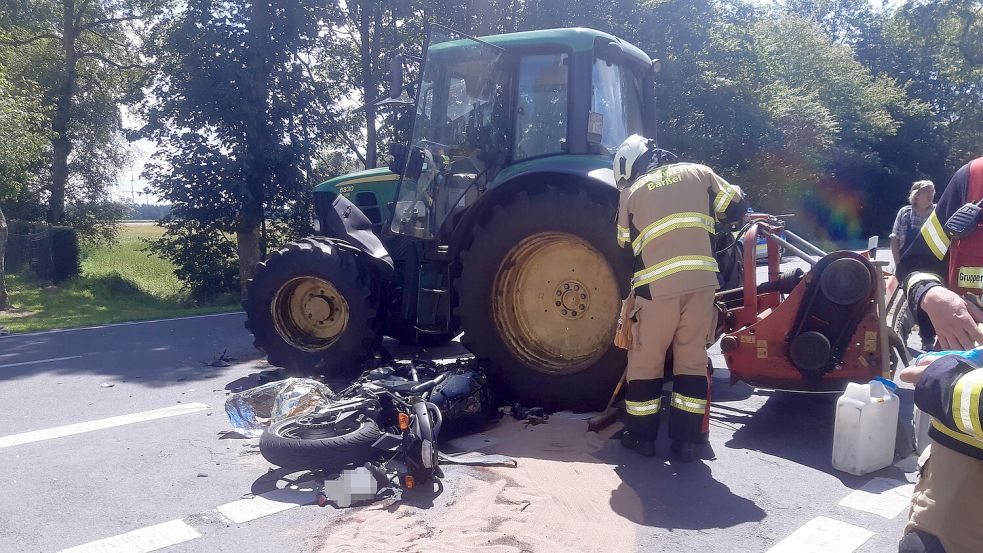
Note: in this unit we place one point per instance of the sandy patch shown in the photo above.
(558, 499)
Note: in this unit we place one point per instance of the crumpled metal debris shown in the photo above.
(529, 415)
(251, 411)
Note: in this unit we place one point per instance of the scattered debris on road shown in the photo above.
(376, 438)
(222, 360)
(251, 411)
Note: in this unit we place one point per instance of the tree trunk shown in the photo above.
(247, 243)
(260, 154)
(368, 87)
(4, 301)
(61, 144)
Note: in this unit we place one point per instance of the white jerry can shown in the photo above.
(923, 421)
(866, 427)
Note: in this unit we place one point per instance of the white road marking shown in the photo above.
(143, 540)
(823, 535)
(268, 503)
(112, 325)
(884, 497)
(100, 424)
(39, 361)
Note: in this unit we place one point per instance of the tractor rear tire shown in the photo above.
(311, 308)
(539, 292)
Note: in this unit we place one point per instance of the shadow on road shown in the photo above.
(671, 495)
(154, 354)
(799, 428)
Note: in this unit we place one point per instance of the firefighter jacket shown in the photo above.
(667, 216)
(925, 262)
(949, 390)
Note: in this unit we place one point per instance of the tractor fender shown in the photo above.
(342, 220)
(598, 182)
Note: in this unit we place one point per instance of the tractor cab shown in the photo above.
(461, 133)
(485, 104)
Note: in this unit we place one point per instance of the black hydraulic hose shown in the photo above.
(737, 239)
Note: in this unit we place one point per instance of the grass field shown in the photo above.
(119, 282)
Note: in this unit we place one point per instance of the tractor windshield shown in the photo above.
(460, 134)
(616, 93)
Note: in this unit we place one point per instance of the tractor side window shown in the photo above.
(617, 96)
(541, 115)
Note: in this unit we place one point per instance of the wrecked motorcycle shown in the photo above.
(388, 421)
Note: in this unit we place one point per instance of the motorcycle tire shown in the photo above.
(299, 444)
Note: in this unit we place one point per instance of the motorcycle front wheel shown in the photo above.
(304, 443)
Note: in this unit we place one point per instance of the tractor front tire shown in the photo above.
(539, 292)
(311, 308)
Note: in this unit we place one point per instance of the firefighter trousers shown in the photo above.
(684, 323)
(948, 500)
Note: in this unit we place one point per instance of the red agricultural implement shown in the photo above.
(815, 330)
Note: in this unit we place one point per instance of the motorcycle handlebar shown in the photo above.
(427, 385)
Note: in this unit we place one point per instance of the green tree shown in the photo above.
(20, 150)
(237, 117)
(935, 49)
(81, 54)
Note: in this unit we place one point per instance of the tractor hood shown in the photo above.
(380, 174)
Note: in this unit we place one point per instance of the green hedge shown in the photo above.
(52, 253)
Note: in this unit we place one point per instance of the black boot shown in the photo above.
(643, 447)
(684, 452)
(643, 400)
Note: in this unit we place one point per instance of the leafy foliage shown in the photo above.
(825, 108)
(20, 149)
(81, 57)
(237, 118)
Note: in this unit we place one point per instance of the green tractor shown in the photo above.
(497, 219)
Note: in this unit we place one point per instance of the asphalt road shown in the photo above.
(767, 475)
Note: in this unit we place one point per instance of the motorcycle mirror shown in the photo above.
(414, 164)
(396, 76)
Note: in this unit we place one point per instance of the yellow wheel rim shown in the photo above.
(555, 302)
(309, 313)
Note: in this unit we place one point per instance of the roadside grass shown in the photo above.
(120, 282)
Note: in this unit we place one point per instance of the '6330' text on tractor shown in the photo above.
(497, 219)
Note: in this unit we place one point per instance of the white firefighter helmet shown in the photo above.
(631, 150)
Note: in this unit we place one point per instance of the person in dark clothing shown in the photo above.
(924, 268)
(944, 282)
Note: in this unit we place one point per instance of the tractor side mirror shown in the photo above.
(398, 153)
(396, 76)
(414, 163)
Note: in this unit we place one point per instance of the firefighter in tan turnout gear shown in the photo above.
(943, 265)
(666, 217)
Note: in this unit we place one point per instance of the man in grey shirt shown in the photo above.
(907, 225)
(910, 218)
